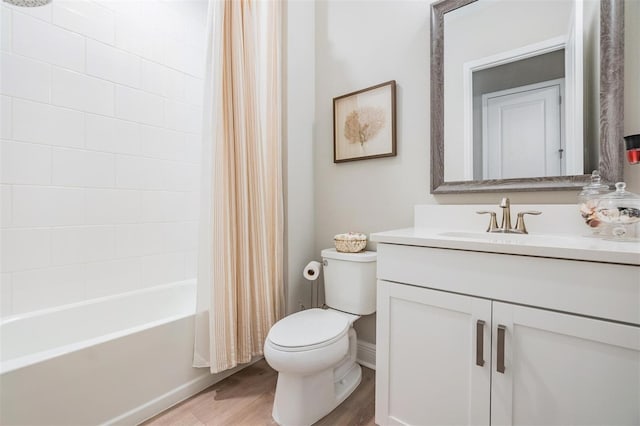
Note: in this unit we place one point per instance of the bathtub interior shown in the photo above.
(37, 336)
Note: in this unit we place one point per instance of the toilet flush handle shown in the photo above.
(325, 262)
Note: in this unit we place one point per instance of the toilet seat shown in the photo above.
(310, 329)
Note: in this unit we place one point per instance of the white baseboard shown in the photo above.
(174, 396)
(366, 354)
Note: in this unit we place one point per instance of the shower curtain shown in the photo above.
(240, 262)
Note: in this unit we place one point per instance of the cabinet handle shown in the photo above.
(480, 343)
(500, 354)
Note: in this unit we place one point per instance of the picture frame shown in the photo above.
(364, 123)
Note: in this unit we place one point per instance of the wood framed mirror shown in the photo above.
(607, 147)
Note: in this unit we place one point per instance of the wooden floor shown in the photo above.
(246, 398)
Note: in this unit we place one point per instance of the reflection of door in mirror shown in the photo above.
(496, 45)
(521, 132)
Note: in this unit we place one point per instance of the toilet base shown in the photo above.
(305, 400)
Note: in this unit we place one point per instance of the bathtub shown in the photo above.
(114, 360)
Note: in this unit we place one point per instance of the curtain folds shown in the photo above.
(240, 270)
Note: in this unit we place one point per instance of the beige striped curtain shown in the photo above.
(240, 284)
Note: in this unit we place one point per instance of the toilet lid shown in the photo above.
(310, 327)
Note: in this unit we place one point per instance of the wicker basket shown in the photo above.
(351, 242)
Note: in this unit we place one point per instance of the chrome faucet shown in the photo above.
(505, 224)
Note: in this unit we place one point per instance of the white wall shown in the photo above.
(359, 44)
(101, 111)
(299, 80)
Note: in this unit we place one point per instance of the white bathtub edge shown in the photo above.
(175, 396)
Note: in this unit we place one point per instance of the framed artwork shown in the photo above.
(364, 123)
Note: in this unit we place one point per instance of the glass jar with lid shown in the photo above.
(588, 199)
(621, 209)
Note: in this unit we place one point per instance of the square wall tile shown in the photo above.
(193, 147)
(83, 168)
(163, 206)
(153, 77)
(163, 269)
(163, 143)
(25, 78)
(175, 86)
(112, 64)
(194, 90)
(45, 288)
(46, 206)
(6, 208)
(83, 244)
(6, 117)
(183, 117)
(139, 37)
(5, 30)
(25, 163)
(24, 249)
(191, 269)
(113, 135)
(140, 240)
(112, 206)
(113, 277)
(139, 106)
(85, 17)
(78, 91)
(132, 172)
(6, 296)
(48, 43)
(47, 124)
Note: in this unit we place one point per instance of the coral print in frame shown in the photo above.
(364, 123)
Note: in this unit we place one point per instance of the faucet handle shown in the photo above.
(493, 222)
(520, 227)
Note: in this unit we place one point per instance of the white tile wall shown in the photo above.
(99, 142)
(47, 43)
(112, 206)
(140, 106)
(116, 276)
(5, 31)
(41, 288)
(47, 124)
(25, 248)
(81, 92)
(112, 64)
(6, 218)
(85, 17)
(71, 167)
(6, 117)
(25, 78)
(35, 206)
(24, 163)
(113, 135)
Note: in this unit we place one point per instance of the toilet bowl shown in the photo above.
(314, 351)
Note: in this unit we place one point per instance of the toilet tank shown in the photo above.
(350, 281)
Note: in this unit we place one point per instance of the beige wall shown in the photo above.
(299, 78)
(362, 43)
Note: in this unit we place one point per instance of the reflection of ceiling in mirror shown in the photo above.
(482, 29)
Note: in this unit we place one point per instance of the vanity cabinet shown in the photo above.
(483, 338)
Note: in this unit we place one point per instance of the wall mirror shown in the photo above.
(525, 95)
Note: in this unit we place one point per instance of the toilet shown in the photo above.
(314, 351)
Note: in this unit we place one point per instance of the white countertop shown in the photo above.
(540, 245)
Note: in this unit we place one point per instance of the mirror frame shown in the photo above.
(611, 109)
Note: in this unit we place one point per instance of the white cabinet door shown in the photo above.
(427, 362)
(562, 369)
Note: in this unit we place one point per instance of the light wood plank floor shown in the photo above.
(246, 398)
